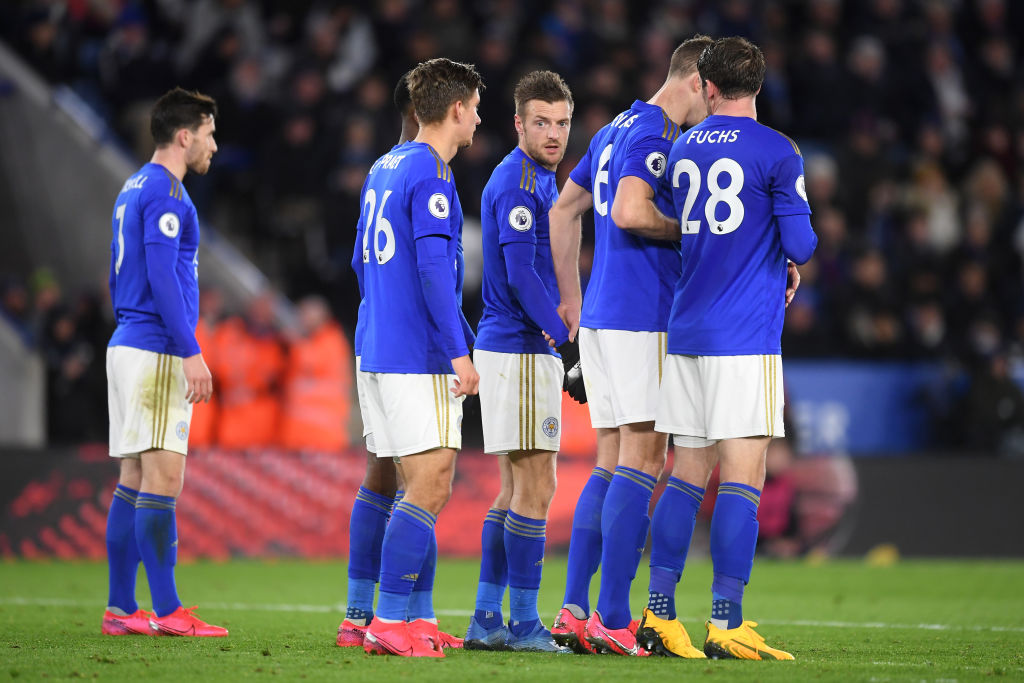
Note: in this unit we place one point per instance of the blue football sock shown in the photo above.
(623, 519)
(421, 601)
(399, 494)
(122, 550)
(674, 518)
(156, 534)
(366, 527)
(733, 541)
(524, 548)
(490, 591)
(406, 544)
(585, 543)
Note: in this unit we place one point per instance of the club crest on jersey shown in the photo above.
(550, 427)
(181, 430)
(801, 189)
(438, 205)
(656, 163)
(169, 225)
(520, 218)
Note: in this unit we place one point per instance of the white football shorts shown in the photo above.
(520, 401)
(412, 413)
(364, 411)
(146, 401)
(708, 398)
(621, 371)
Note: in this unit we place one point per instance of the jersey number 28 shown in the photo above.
(728, 195)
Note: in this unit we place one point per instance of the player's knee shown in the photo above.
(131, 473)
(380, 476)
(163, 483)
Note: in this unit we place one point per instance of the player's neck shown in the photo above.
(744, 106)
(440, 139)
(171, 161)
(672, 99)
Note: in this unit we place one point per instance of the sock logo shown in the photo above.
(410, 577)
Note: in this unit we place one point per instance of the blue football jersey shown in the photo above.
(632, 278)
(409, 193)
(152, 207)
(731, 177)
(514, 208)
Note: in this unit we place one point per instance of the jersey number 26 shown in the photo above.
(382, 226)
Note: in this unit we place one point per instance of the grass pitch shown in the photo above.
(920, 620)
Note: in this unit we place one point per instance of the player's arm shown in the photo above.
(791, 210)
(634, 211)
(798, 238)
(431, 204)
(633, 208)
(112, 277)
(530, 292)
(357, 258)
(566, 233)
(460, 278)
(162, 227)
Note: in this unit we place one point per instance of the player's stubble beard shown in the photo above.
(198, 162)
(538, 152)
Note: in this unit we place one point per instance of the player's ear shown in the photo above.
(519, 124)
(184, 137)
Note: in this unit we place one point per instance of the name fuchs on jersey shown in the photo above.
(702, 136)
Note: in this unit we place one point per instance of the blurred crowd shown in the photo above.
(909, 114)
(274, 387)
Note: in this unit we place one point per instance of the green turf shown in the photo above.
(921, 620)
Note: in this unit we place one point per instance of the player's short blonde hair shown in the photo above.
(684, 59)
(437, 84)
(546, 86)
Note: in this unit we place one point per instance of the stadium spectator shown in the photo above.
(317, 382)
(14, 308)
(202, 432)
(993, 409)
(248, 362)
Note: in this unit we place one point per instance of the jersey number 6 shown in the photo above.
(381, 225)
(728, 195)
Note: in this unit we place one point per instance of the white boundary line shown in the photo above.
(339, 608)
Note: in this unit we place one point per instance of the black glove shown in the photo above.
(572, 383)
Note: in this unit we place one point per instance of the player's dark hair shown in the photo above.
(735, 65)
(177, 109)
(402, 98)
(546, 86)
(684, 58)
(436, 84)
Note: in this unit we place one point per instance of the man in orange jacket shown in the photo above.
(248, 365)
(318, 382)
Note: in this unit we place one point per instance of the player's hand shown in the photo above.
(792, 282)
(198, 380)
(569, 312)
(467, 379)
